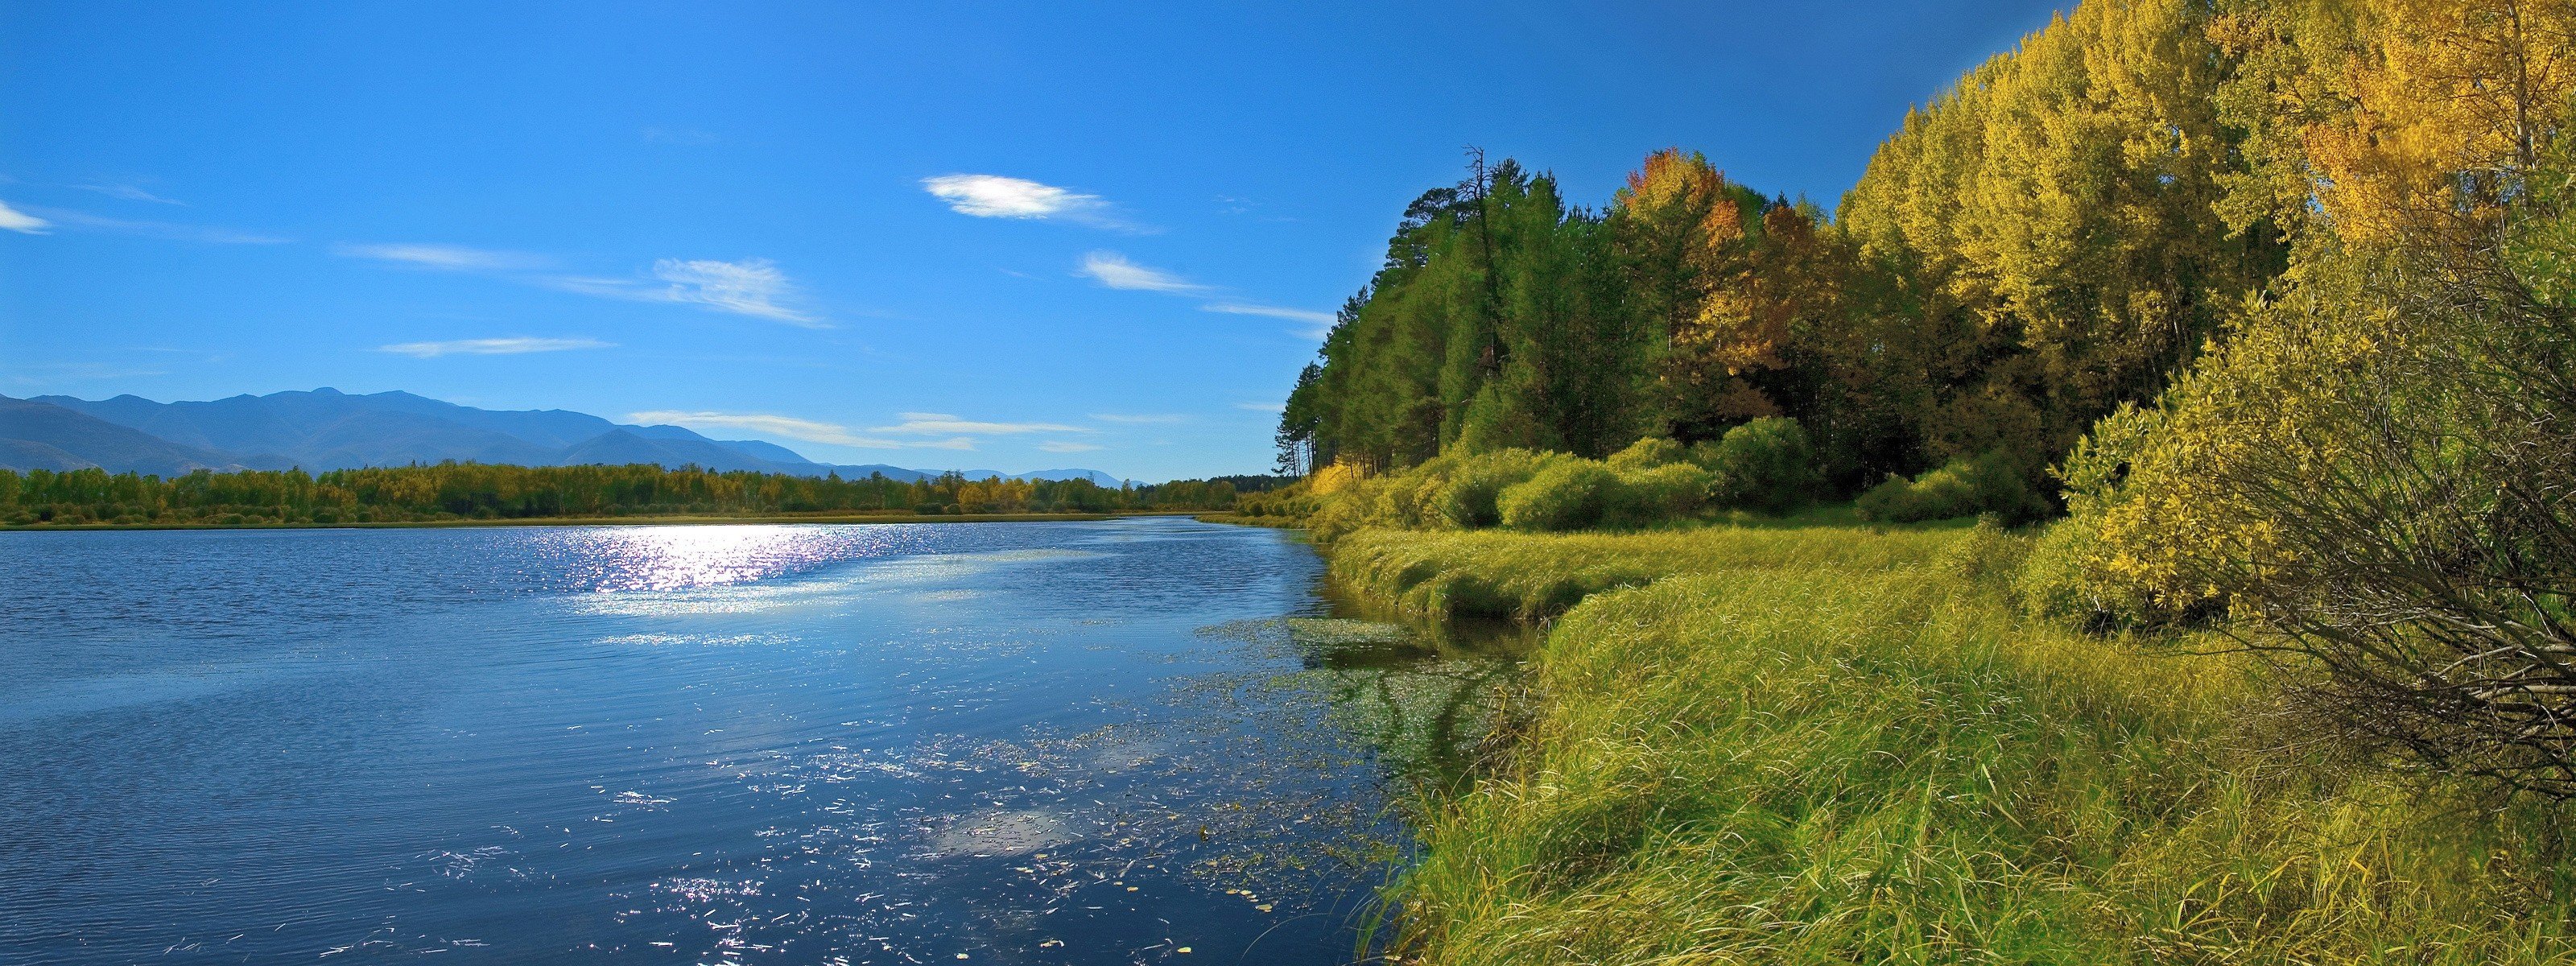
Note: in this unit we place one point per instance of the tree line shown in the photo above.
(474, 491)
(2045, 241)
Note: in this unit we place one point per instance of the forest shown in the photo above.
(2245, 333)
(2063, 233)
(471, 491)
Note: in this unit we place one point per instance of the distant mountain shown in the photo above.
(624, 445)
(35, 435)
(1095, 476)
(327, 429)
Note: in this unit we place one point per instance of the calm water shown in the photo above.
(1056, 742)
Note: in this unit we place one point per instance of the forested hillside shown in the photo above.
(2062, 232)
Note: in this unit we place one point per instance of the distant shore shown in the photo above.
(636, 520)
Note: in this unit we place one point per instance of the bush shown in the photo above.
(1349, 508)
(1570, 494)
(1412, 500)
(1470, 500)
(1766, 464)
(1674, 491)
(1993, 483)
(1647, 453)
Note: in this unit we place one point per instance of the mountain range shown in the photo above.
(326, 429)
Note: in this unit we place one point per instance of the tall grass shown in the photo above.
(1486, 573)
(1834, 745)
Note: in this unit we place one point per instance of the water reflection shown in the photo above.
(1076, 743)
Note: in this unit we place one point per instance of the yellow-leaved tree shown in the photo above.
(2376, 475)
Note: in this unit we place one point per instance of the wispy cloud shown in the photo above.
(155, 229)
(1115, 271)
(749, 287)
(127, 192)
(1140, 417)
(451, 258)
(1262, 407)
(753, 287)
(1273, 311)
(1066, 446)
(515, 345)
(934, 424)
(18, 221)
(790, 427)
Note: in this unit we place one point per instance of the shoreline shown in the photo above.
(638, 520)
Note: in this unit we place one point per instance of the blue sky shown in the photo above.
(998, 236)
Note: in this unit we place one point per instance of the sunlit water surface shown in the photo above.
(1127, 741)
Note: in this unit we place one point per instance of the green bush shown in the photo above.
(1570, 494)
(1993, 483)
(2065, 581)
(2056, 583)
(1660, 494)
(1412, 500)
(1470, 500)
(1647, 453)
(1766, 464)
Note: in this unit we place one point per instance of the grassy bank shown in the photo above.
(1828, 744)
(1495, 573)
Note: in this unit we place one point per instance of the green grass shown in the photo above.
(1831, 745)
(1496, 573)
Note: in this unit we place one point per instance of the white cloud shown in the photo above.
(1298, 315)
(18, 221)
(1062, 446)
(995, 196)
(163, 230)
(752, 287)
(491, 347)
(788, 426)
(749, 287)
(127, 192)
(1140, 417)
(453, 258)
(1115, 271)
(926, 424)
(1262, 407)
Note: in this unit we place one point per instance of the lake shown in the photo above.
(1145, 739)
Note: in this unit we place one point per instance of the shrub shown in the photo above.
(1766, 464)
(1412, 500)
(1349, 508)
(1470, 498)
(1566, 495)
(1648, 453)
(1674, 491)
(1993, 483)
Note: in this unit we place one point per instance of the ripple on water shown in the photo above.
(722, 745)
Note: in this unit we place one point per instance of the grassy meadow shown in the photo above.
(1834, 744)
